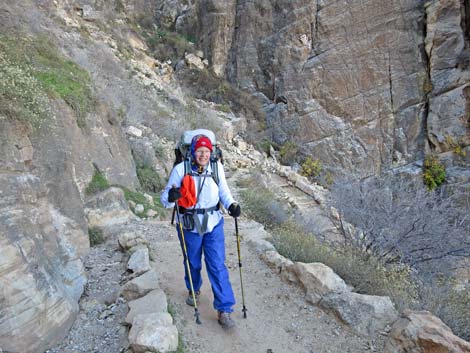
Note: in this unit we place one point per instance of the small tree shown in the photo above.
(400, 221)
(434, 172)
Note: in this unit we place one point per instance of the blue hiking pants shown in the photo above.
(213, 245)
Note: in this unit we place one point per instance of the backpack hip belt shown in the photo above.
(198, 210)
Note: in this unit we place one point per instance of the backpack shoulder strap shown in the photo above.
(215, 170)
(187, 166)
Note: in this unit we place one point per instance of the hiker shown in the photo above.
(198, 196)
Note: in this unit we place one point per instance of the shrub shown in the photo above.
(224, 107)
(261, 204)
(294, 243)
(366, 273)
(311, 168)
(459, 150)
(434, 173)
(450, 304)
(405, 225)
(167, 45)
(289, 153)
(40, 69)
(139, 198)
(403, 222)
(264, 145)
(98, 183)
(21, 95)
(96, 236)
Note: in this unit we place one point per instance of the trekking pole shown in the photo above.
(240, 267)
(185, 253)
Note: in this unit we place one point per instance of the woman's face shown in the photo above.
(203, 155)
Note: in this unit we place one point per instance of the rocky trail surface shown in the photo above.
(278, 319)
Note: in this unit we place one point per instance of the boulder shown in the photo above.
(281, 265)
(153, 333)
(194, 61)
(139, 262)
(318, 280)
(365, 314)
(421, 332)
(140, 286)
(128, 240)
(133, 131)
(108, 208)
(153, 302)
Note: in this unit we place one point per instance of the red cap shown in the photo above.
(203, 141)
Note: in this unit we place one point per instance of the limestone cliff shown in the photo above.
(44, 169)
(364, 86)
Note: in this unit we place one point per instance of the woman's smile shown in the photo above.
(203, 156)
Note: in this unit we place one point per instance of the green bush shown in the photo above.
(224, 107)
(294, 243)
(32, 69)
(434, 172)
(149, 178)
(139, 198)
(311, 168)
(98, 183)
(21, 95)
(265, 145)
(96, 236)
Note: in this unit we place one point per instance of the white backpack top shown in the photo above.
(188, 135)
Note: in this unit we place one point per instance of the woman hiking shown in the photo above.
(197, 195)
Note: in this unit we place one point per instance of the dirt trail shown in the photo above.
(279, 319)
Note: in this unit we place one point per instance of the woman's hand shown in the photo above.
(174, 194)
(234, 210)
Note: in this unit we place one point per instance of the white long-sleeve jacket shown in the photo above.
(209, 195)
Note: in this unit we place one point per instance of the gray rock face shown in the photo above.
(361, 85)
(448, 121)
(43, 174)
(41, 272)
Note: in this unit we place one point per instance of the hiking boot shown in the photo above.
(225, 320)
(190, 300)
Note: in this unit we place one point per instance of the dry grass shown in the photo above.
(364, 272)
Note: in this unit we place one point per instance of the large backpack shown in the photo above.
(183, 151)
